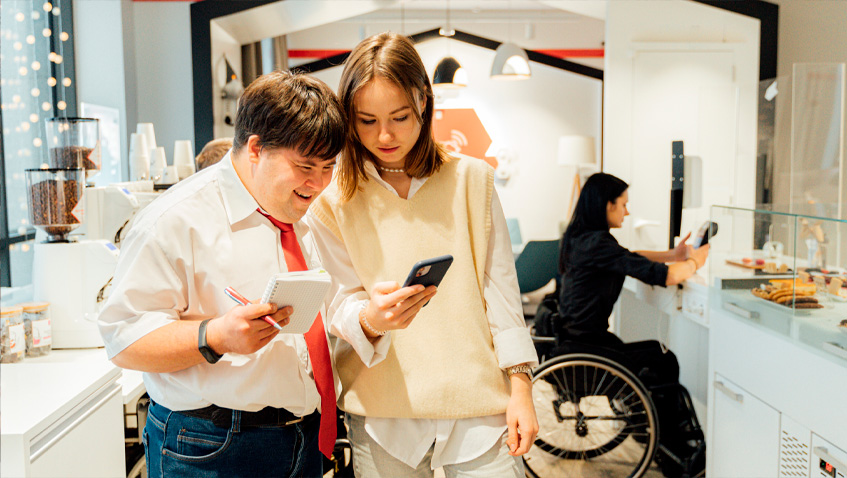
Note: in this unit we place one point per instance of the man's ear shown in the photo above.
(253, 148)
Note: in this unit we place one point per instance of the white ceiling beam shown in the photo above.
(281, 18)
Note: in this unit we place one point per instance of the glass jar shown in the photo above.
(39, 333)
(12, 336)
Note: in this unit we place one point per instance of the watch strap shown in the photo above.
(210, 355)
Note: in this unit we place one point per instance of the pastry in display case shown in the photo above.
(786, 272)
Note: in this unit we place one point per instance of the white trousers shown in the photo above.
(370, 460)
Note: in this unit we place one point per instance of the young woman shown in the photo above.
(593, 267)
(445, 386)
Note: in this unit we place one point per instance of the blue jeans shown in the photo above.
(178, 445)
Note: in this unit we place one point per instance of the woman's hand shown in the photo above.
(682, 251)
(520, 415)
(392, 307)
(700, 255)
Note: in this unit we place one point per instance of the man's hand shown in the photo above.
(392, 307)
(243, 330)
(520, 415)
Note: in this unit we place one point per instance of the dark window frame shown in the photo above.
(62, 23)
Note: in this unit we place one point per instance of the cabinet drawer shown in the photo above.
(745, 441)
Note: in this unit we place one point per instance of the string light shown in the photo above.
(62, 105)
(22, 71)
(35, 92)
(51, 82)
(66, 82)
(36, 142)
(57, 59)
(64, 36)
(36, 15)
(35, 65)
(17, 45)
(46, 32)
(16, 99)
(30, 39)
(56, 11)
(25, 126)
(19, 16)
(45, 106)
(47, 6)
(33, 118)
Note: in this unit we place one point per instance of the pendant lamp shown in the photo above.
(449, 74)
(510, 63)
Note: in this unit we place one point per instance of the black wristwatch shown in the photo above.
(210, 355)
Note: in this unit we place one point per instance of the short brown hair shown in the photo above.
(393, 57)
(291, 110)
(213, 152)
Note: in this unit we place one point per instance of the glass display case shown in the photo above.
(791, 279)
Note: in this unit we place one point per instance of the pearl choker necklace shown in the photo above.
(391, 170)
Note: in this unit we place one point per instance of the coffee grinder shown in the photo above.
(73, 275)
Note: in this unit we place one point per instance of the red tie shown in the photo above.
(315, 342)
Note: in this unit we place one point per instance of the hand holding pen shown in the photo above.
(234, 295)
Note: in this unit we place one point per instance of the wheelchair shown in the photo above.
(597, 419)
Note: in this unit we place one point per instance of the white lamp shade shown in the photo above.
(577, 151)
(510, 63)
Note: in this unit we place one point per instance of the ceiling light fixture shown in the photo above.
(510, 61)
(449, 72)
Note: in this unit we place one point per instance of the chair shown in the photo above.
(514, 231)
(537, 264)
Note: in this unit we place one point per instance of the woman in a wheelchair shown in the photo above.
(593, 267)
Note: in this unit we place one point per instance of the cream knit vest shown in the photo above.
(443, 365)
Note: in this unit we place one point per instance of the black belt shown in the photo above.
(267, 417)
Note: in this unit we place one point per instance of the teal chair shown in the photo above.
(537, 264)
(514, 231)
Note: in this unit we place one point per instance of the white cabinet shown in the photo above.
(61, 419)
(745, 434)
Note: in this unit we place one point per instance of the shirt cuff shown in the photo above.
(513, 347)
(371, 353)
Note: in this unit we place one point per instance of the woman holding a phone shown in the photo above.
(445, 386)
(593, 267)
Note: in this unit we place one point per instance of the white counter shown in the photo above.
(62, 415)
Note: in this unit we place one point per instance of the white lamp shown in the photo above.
(510, 63)
(577, 151)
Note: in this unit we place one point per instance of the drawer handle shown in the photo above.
(823, 453)
(729, 392)
(737, 309)
(42, 448)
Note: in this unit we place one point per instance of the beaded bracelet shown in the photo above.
(367, 325)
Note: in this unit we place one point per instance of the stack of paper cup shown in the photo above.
(147, 129)
(184, 158)
(139, 157)
(158, 162)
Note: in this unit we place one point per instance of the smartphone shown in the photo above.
(707, 230)
(429, 272)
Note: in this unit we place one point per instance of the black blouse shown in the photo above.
(597, 267)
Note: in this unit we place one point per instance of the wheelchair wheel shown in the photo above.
(595, 417)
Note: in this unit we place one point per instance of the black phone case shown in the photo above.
(429, 271)
(707, 230)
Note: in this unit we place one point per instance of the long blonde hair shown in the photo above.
(392, 57)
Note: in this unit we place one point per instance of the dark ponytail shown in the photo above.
(590, 212)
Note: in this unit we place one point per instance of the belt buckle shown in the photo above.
(292, 422)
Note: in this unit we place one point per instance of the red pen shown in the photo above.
(241, 300)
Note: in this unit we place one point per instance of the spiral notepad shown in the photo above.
(302, 290)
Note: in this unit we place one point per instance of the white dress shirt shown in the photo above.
(201, 236)
(408, 440)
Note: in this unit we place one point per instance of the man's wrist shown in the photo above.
(694, 261)
(213, 337)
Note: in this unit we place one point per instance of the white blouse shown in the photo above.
(409, 439)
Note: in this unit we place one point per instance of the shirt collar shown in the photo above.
(238, 201)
